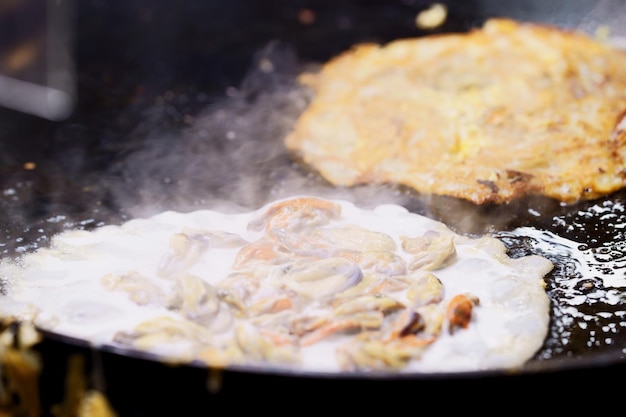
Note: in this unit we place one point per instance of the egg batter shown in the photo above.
(302, 283)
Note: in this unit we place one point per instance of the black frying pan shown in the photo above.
(161, 89)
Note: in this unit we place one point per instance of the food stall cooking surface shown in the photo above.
(172, 108)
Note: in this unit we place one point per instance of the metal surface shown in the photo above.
(36, 63)
(176, 112)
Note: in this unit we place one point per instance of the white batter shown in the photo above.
(120, 284)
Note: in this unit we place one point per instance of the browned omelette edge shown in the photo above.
(511, 184)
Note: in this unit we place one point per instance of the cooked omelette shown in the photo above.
(488, 116)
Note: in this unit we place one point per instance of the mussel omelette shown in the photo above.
(504, 111)
(302, 283)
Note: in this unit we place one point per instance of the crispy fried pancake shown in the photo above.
(488, 116)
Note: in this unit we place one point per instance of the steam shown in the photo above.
(606, 15)
(228, 155)
(231, 155)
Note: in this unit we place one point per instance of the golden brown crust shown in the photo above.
(488, 116)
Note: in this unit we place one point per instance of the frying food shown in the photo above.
(302, 283)
(488, 116)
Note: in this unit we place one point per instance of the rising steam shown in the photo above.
(232, 156)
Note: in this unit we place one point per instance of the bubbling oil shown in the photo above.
(587, 284)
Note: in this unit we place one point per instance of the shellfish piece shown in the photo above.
(186, 247)
(321, 278)
(237, 289)
(192, 294)
(183, 252)
(390, 284)
(433, 317)
(286, 220)
(262, 251)
(379, 262)
(364, 320)
(459, 311)
(427, 289)
(198, 301)
(304, 323)
(366, 303)
(363, 287)
(368, 353)
(433, 250)
(354, 238)
(216, 238)
(221, 356)
(272, 303)
(152, 333)
(259, 348)
(296, 213)
(139, 288)
(279, 337)
(401, 323)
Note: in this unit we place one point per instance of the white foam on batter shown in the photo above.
(60, 288)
